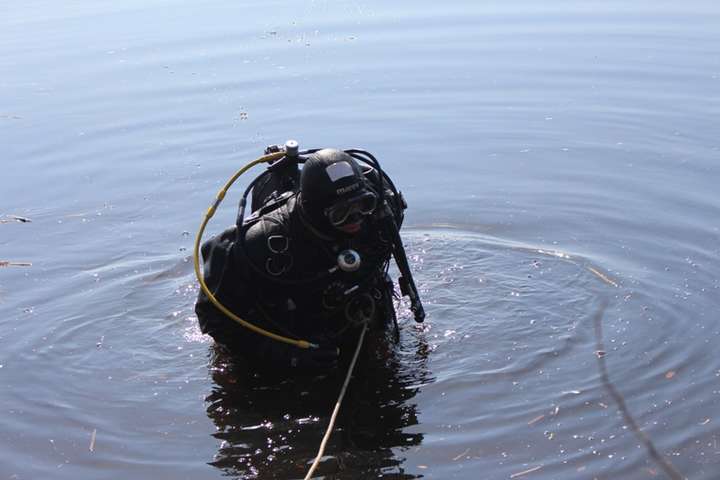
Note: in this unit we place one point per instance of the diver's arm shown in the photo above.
(262, 351)
(225, 278)
(229, 280)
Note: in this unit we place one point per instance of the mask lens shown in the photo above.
(363, 204)
(367, 203)
(338, 213)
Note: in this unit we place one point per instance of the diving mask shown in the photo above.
(362, 204)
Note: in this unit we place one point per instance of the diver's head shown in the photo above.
(334, 194)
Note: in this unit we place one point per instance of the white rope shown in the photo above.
(333, 417)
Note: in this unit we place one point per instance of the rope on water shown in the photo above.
(333, 417)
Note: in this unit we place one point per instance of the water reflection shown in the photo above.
(271, 426)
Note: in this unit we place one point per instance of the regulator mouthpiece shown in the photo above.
(349, 260)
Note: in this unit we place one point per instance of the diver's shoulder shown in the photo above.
(222, 242)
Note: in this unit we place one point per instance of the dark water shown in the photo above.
(561, 161)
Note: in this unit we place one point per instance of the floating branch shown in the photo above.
(16, 218)
(5, 263)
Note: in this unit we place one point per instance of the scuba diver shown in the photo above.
(310, 262)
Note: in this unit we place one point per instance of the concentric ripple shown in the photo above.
(502, 375)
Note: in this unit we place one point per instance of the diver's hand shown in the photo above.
(323, 358)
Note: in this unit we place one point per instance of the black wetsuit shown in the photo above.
(278, 272)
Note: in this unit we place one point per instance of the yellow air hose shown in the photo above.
(196, 256)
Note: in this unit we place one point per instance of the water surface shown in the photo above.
(561, 165)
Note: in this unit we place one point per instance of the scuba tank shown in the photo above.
(280, 177)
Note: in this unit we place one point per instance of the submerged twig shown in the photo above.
(525, 472)
(92, 440)
(536, 419)
(603, 277)
(458, 457)
(665, 464)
